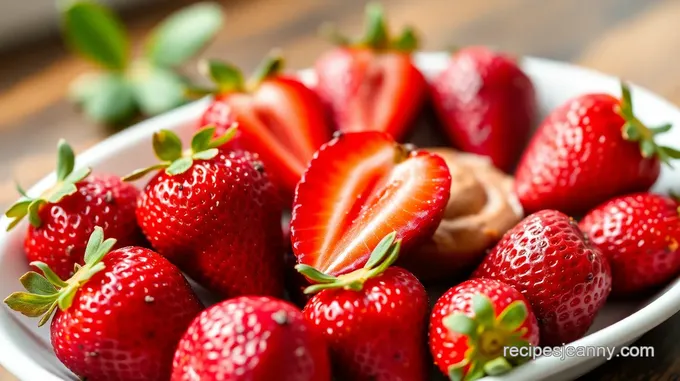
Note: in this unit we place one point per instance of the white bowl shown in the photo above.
(25, 349)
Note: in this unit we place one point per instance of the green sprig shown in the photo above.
(46, 292)
(128, 86)
(67, 178)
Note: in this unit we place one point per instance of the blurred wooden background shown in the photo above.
(634, 39)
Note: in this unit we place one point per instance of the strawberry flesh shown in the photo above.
(358, 188)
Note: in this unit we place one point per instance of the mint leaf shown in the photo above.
(157, 90)
(183, 34)
(94, 32)
(110, 100)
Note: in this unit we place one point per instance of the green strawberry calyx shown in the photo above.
(376, 34)
(488, 337)
(382, 257)
(636, 131)
(174, 159)
(227, 78)
(47, 292)
(67, 178)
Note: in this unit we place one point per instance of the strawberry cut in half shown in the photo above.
(358, 188)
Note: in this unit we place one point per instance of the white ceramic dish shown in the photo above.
(25, 350)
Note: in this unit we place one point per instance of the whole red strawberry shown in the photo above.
(372, 84)
(372, 319)
(279, 118)
(586, 151)
(255, 338)
(475, 325)
(640, 236)
(565, 278)
(358, 188)
(486, 103)
(215, 214)
(118, 318)
(63, 217)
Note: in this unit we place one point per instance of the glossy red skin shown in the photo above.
(101, 200)
(564, 277)
(126, 321)
(366, 90)
(448, 348)
(486, 103)
(639, 234)
(377, 333)
(578, 159)
(355, 192)
(219, 222)
(239, 339)
(282, 120)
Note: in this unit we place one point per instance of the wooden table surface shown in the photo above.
(628, 38)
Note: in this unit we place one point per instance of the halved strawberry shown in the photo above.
(358, 188)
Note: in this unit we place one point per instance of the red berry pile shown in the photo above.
(343, 290)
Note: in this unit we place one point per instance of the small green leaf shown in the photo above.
(270, 66)
(78, 175)
(184, 34)
(167, 145)
(20, 190)
(19, 209)
(93, 31)
(111, 101)
(376, 27)
(483, 309)
(407, 41)
(227, 77)
(46, 317)
(497, 366)
(49, 274)
(314, 274)
(513, 316)
(157, 90)
(192, 91)
(461, 324)
(626, 101)
(671, 152)
(34, 212)
(661, 129)
(380, 250)
(37, 284)
(476, 371)
(94, 242)
(631, 132)
(30, 305)
(455, 371)
(201, 140)
(66, 159)
(225, 137)
(206, 155)
(66, 296)
(647, 148)
(179, 166)
(103, 249)
(139, 173)
(65, 189)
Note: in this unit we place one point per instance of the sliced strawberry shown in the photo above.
(358, 188)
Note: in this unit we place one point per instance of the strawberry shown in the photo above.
(486, 104)
(359, 187)
(474, 325)
(372, 318)
(215, 214)
(63, 217)
(587, 151)
(118, 318)
(279, 118)
(639, 234)
(372, 83)
(565, 279)
(256, 338)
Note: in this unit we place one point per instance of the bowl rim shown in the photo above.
(664, 305)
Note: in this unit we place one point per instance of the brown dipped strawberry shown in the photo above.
(640, 236)
(372, 84)
(486, 103)
(373, 319)
(118, 318)
(358, 188)
(215, 214)
(587, 151)
(565, 279)
(63, 217)
(255, 338)
(474, 325)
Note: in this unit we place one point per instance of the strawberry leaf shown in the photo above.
(66, 160)
(139, 173)
(33, 212)
(179, 166)
(111, 101)
(62, 191)
(376, 27)
(225, 76)
(462, 324)
(671, 152)
(156, 90)
(407, 41)
(49, 274)
(380, 250)
(513, 316)
(183, 34)
(483, 309)
(167, 145)
(31, 305)
(455, 371)
(37, 284)
(78, 175)
(497, 366)
(225, 137)
(201, 140)
(270, 66)
(205, 155)
(476, 371)
(661, 129)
